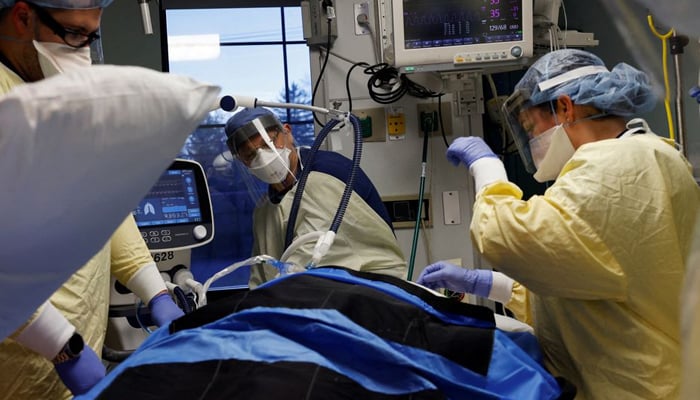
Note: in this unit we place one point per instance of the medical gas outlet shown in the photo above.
(396, 124)
(428, 113)
(372, 124)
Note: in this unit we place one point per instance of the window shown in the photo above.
(256, 51)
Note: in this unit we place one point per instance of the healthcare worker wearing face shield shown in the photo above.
(603, 250)
(365, 240)
(56, 353)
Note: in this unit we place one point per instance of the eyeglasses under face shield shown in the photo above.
(71, 37)
(519, 125)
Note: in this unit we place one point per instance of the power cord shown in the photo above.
(330, 13)
(347, 81)
(386, 85)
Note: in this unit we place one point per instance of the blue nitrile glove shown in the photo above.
(81, 373)
(467, 150)
(445, 275)
(163, 309)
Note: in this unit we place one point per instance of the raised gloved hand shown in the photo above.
(467, 150)
(81, 373)
(445, 275)
(163, 309)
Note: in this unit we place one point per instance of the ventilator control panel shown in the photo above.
(176, 213)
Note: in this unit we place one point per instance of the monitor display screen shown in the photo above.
(430, 35)
(172, 200)
(430, 23)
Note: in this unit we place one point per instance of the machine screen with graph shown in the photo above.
(176, 213)
(455, 34)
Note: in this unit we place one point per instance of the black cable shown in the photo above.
(416, 90)
(320, 75)
(384, 76)
(347, 82)
(386, 85)
(442, 124)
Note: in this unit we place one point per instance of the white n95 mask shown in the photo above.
(271, 166)
(550, 152)
(55, 58)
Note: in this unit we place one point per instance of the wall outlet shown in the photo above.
(362, 19)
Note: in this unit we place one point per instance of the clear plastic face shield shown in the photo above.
(520, 123)
(527, 120)
(266, 150)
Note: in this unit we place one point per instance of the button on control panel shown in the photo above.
(176, 236)
(478, 57)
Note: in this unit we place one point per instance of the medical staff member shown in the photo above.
(604, 250)
(690, 321)
(56, 353)
(365, 240)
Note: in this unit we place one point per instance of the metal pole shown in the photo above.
(678, 42)
(680, 116)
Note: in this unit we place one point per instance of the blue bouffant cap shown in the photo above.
(239, 128)
(624, 91)
(64, 4)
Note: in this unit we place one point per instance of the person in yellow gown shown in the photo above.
(603, 251)
(56, 354)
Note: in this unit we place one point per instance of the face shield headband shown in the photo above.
(244, 133)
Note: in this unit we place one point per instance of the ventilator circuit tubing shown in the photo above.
(326, 241)
(307, 237)
(202, 297)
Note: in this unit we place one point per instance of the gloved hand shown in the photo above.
(467, 150)
(81, 373)
(445, 275)
(163, 309)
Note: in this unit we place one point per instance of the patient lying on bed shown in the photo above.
(333, 333)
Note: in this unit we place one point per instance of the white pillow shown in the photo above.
(77, 153)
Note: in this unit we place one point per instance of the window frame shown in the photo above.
(284, 44)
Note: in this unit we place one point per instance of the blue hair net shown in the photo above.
(624, 91)
(238, 129)
(65, 4)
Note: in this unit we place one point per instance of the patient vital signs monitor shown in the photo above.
(457, 34)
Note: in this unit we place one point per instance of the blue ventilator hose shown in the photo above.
(349, 185)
